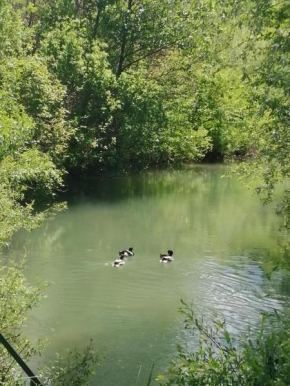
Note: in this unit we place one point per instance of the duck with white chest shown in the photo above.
(166, 257)
(120, 261)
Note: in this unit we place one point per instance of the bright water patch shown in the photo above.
(219, 234)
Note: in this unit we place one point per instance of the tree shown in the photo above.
(266, 59)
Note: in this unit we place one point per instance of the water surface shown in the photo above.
(221, 236)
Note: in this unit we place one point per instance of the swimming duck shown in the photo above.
(127, 252)
(166, 257)
(120, 261)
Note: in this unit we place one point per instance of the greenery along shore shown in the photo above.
(89, 87)
(92, 86)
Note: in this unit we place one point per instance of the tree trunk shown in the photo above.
(97, 21)
(30, 21)
(78, 6)
(124, 41)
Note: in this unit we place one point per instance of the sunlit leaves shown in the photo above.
(269, 139)
(36, 92)
(218, 359)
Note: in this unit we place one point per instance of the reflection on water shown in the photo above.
(219, 234)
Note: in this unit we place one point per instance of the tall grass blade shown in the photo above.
(138, 376)
(150, 375)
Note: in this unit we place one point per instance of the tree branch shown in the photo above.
(148, 54)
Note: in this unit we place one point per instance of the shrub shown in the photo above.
(219, 359)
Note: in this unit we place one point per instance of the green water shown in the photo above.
(221, 236)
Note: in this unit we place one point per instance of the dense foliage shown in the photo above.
(268, 24)
(114, 84)
(218, 359)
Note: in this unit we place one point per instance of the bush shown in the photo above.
(221, 360)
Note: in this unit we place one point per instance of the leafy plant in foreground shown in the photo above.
(17, 298)
(219, 360)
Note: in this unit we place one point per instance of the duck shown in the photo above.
(166, 257)
(127, 252)
(120, 261)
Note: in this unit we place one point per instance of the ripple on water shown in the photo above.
(236, 292)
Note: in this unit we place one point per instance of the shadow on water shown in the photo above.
(150, 183)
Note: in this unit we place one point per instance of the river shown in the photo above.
(223, 240)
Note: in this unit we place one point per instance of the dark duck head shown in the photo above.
(128, 252)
